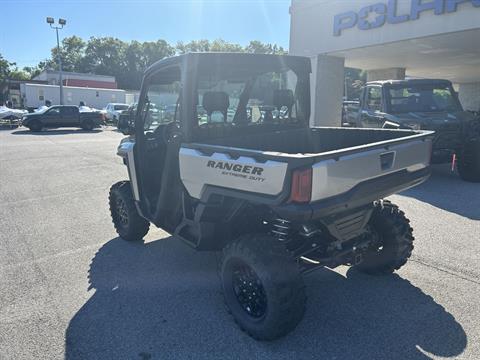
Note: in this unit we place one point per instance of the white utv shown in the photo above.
(238, 169)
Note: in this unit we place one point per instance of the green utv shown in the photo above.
(237, 169)
(425, 104)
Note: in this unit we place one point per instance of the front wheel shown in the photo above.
(262, 286)
(126, 220)
(35, 125)
(393, 242)
(468, 165)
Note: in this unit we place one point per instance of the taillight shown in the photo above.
(301, 186)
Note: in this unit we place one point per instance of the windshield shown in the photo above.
(421, 98)
(120, 107)
(42, 109)
(250, 97)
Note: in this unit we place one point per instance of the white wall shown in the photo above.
(327, 90)
(97, 98)
(312, 23)
(469, 95)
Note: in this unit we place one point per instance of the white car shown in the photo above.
(113, 110)
(9, 113)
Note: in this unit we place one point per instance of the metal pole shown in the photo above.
(59, 67)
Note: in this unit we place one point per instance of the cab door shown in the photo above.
(70, 115)
(371, 115)
(158, 144)
(52, 117)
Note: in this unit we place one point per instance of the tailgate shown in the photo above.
(332, 177)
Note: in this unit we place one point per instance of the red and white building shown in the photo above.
(52, 77)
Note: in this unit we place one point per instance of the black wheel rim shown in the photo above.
(249, 291)
(122, 212)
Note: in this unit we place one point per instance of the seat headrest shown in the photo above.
(283, 98)
(215, 101)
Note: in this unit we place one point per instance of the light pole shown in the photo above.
(61, 23)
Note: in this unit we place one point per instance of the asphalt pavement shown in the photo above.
(69, 288)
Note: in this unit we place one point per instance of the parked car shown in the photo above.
(279, 198)
(113, 110)
(61, 116)
(425, 104)
(125, 116)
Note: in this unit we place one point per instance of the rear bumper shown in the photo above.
(362, 194)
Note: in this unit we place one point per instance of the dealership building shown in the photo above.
(390, 39)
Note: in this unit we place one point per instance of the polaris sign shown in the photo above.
(376, 15)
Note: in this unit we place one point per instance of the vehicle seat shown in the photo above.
(283, 98)
(216, 102)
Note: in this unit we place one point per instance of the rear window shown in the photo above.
(120, 107)
(270, 97)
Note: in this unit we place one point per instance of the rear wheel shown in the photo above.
(87, 125)
(393, 243)
(35, 125)
(262, 286)
(126, 220)
(468, 165)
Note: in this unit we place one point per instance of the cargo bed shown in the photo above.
(340, 158)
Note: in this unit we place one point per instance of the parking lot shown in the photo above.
(71, 289)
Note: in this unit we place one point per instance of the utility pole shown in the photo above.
(61, 23)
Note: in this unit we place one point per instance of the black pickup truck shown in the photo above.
(424, 104)
(62, 116)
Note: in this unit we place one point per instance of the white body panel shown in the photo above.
(244, 173)
(332, 177)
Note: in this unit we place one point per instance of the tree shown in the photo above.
(72, 52)
(17, 74)
(139, 56)
(128, 60)
(220, 45)
(9, 70)
(257, 47)
(33, 71)
(4, 67)
(193, 46)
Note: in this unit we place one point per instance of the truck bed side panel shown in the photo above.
(336, 176)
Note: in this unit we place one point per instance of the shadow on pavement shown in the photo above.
(56, 132)
(161, 300)
(447, 191)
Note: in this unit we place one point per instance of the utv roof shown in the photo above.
(211, 60)
(410, 82)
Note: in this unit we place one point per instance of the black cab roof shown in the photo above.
(213, 60)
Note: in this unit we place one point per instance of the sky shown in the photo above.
(25, 37)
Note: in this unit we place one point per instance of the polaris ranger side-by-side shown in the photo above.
(237, 168)
(426, 104)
